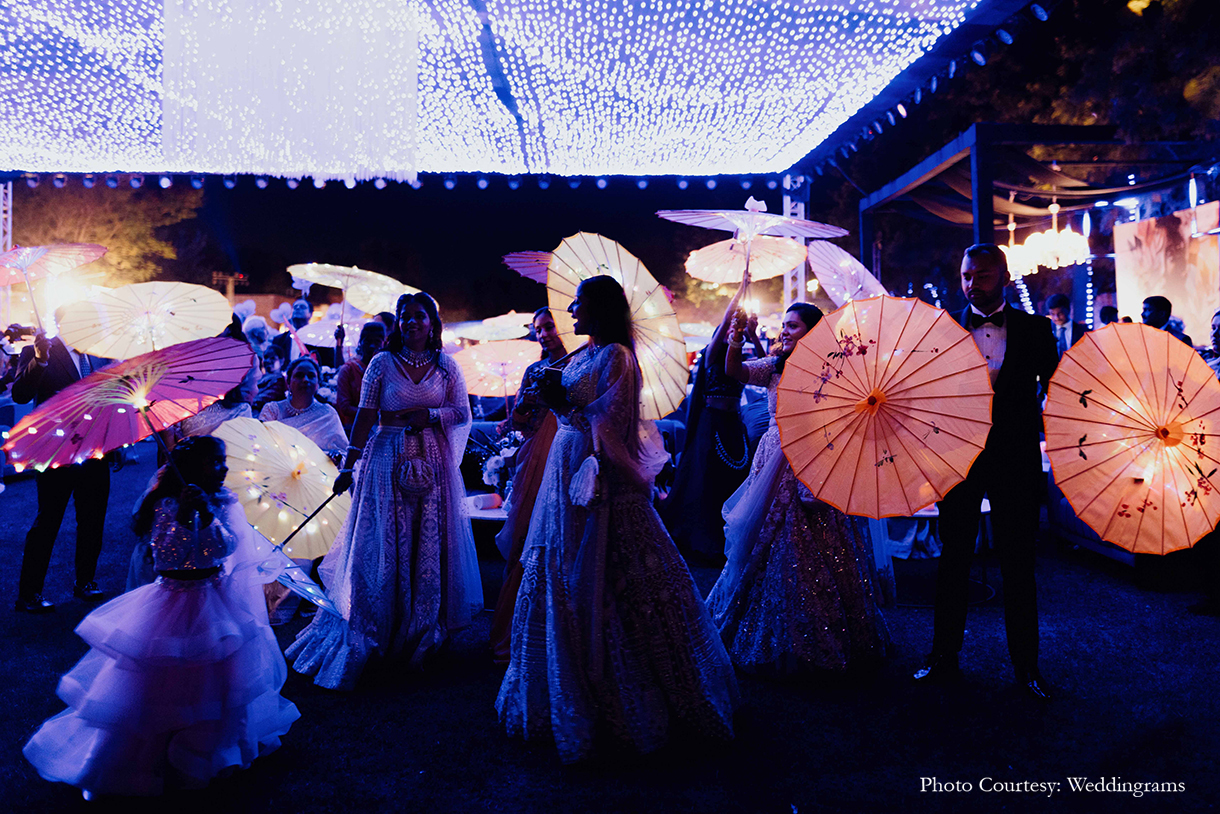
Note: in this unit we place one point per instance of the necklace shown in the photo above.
(416, 358)
(295, 411)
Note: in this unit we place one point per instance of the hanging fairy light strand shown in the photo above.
(361, 89)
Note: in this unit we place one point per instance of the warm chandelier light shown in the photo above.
(356, 89)
(1051, 249)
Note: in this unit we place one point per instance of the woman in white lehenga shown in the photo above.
(609, 634)
(403, 571)
(797, 590)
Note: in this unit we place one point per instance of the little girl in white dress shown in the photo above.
(182, 681)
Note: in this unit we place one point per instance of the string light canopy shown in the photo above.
(363, 89)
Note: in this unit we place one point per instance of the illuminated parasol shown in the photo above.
(843, 277)
(496, 368)
(120, 323)
(883, 406)
(659, 344)
(25, 263)
(126, 402)
(725, 261)
(372, 289)
(281, 477)
(496, 329)
(1131, 432)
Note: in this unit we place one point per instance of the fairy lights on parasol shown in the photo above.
(126, 402)
(659, 344)
(22, 264)
(281, 478)
(124, 322)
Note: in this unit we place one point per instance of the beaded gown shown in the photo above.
(182, 681)
(403, 571)
(609, 634)
(539, 430)
(715, 460)
(796, 592)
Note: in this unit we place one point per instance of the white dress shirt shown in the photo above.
(992, 341)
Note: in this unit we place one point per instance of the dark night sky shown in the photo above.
(449, 242)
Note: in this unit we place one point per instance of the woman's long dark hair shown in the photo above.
(397, 342)
(544, 311)
(188, 455)
(608, 310)
(809, 315)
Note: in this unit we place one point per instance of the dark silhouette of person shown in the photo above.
(45, 368)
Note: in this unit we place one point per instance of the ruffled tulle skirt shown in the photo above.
(181, 684)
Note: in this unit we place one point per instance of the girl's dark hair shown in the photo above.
(188, 455)
(396, 342)
(809, 315)
(608, 310)
(303, 360)
(544, 311)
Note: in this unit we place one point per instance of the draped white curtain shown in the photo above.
(320, 88)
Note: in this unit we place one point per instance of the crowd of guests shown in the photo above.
(604, 633)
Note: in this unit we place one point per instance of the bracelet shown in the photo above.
(346, 471)
(357, 450)
(736, 343)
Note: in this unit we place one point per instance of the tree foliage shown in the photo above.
(1150, 69)
(132, 223)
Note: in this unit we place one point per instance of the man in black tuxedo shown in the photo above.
(1067, 333)
(302, 311)
(1021, 356)
(44, 369)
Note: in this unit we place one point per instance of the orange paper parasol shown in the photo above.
(884, 406)
(127, 401)
(1131, 432)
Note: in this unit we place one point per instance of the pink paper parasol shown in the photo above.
(530, 265)
(127, 401)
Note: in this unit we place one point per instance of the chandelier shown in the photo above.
(1050, 249)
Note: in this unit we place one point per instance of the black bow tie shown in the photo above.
(996, 319)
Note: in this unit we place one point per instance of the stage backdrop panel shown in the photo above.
(1161, 256)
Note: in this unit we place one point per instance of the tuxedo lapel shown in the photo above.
(67, 370)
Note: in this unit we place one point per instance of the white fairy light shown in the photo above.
(364, 89)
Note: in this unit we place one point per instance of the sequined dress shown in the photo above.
(609, 635)
(539, 431)
(796, 592)
(403, 570)
(182, 681)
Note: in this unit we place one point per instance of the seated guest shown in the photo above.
(351, 375)
(316, 420)
(1067, 333)
(1156, 313)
